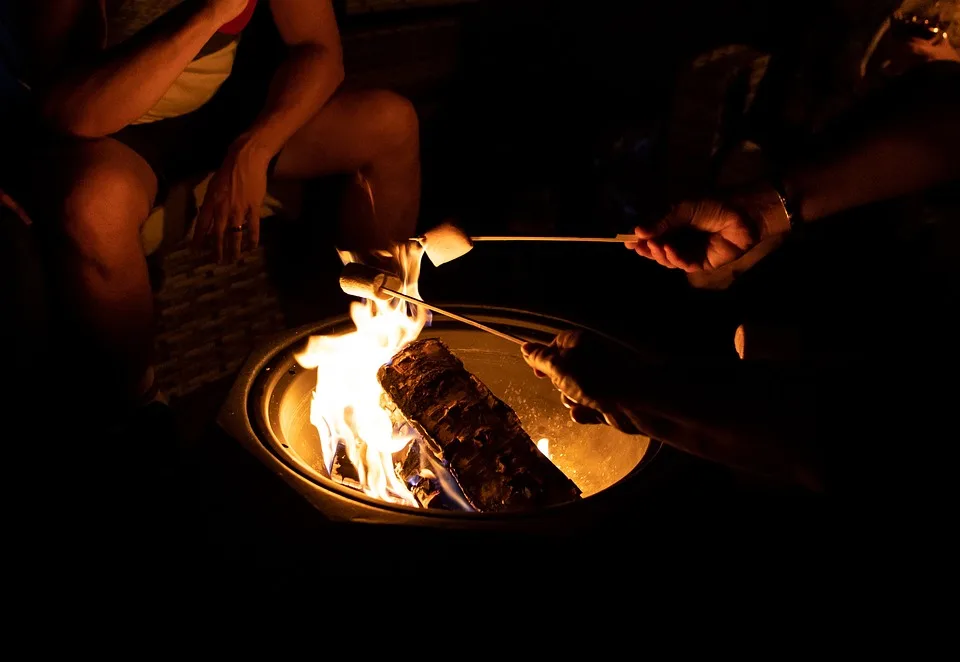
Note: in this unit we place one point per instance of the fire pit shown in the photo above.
(381, 416)
(269, 411)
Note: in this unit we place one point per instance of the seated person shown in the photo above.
(136, 94)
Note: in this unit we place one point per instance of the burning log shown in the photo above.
(471, 431)
(414, 468)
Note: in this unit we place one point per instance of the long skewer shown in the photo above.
(447, 313)
(369, 282)
(619, 239)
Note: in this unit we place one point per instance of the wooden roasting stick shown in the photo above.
(619, 239)
(460, 318)
(370, 283)
(477, 435)
(447, 242)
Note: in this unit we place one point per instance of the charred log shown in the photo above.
(471, 431)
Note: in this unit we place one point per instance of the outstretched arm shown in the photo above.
(905, 141)
(833, 426)
(746, 416)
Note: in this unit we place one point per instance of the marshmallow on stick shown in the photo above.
(445, 243)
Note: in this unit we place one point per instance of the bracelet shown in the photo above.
(793, 214)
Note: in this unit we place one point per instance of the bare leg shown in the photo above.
(93, 199)
(374, 134)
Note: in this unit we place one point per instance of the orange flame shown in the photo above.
(346, 402)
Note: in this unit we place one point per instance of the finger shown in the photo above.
(630, 245)
(620, 422)
(567, 339)
(542, 358)
(203, 225)
(644, 233)
(234, 239)
(253, 227)
(656, 252)
(235, 245)
(527, 350)
(678, 261)
(586, 416)
(220, 228)
(643, 249)
(567, 402)
(680, 215)
(722, 252)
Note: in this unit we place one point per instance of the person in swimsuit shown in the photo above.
(133, 95)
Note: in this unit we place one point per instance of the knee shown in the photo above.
(395, 120)
(103, 209)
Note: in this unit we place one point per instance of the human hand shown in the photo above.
(230, 213)
(225, 11)
(699, 235)
(588, 372)
(703, 235)
(933, 50)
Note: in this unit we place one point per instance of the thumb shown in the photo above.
(680, 215)
(540, 357)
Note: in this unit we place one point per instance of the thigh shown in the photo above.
(60, 171)
(346, 134)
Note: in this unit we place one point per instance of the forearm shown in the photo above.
(908, 142)
(119, 85)
(741, 416)
(303, 84)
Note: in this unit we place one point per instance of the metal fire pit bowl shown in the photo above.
(268, 411)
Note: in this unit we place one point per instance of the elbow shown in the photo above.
(73, 119)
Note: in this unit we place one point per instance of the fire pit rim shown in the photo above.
(241, 418)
